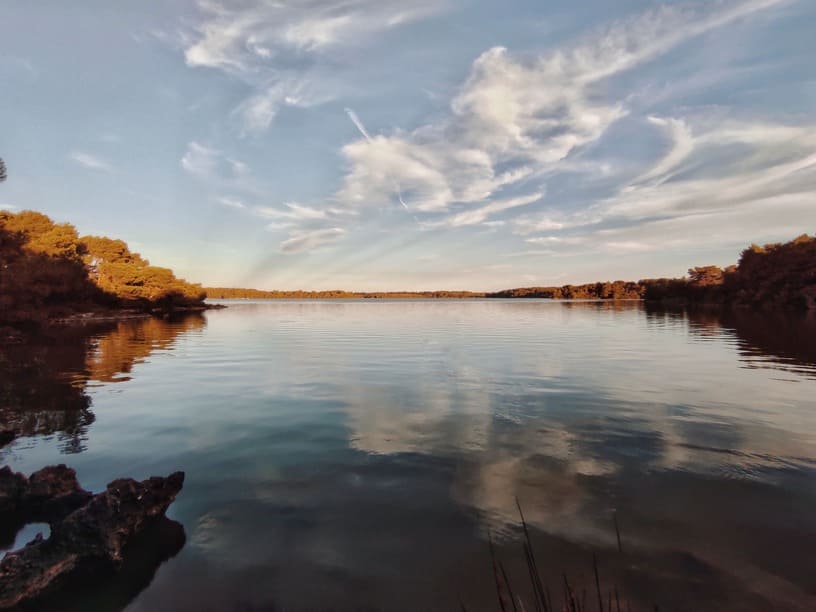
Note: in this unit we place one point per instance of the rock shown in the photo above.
(12, 486)
(87, 542)
(49, 495)
(7, 436)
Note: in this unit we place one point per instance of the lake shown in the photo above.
(362, 455)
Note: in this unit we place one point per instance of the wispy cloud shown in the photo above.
(310, 240)
(200, 160)
(264, 44)
(525, 115)
(719, 182)
(258, 111)
(293, 211)
(307, 227)
(91, 162)
(232, 203)
(480, 215)
(244, 36)
(516, 122)
(754, 161)
(210, 163)
(18, 66)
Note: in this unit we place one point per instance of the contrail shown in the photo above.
(401, 201)
(356, 121)
(359, 124)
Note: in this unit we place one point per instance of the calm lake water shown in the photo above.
(360, 454)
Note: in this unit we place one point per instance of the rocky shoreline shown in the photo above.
(90, 534)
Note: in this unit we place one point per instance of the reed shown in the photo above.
(541, 600)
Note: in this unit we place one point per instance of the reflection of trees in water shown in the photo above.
(788, 339)
(779, 340)
(43, 380)
(130, 342)
(43, 388)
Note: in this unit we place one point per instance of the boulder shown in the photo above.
(49, 495)
(87, 542)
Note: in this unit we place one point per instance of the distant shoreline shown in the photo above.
(52, 275)
(779, 275)
(418, 297)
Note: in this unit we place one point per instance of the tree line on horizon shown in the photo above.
(228, 293)
(779, 274)
(47, 270)
(773, 275)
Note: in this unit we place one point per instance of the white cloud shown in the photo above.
(532, 224)
(232, 203)
(514, 122)
(243, 36)
(265, 43)
(212, 164)
(723, 165)
(683, 145)
(91, 162)
(307, 227)
(555, 240)
(776, 218)
(200, 160)
(309, 240)
(293, 212)
(477, 216)
(524, 115)
(257, 112)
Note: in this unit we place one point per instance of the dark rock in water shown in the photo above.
(12, 487)
(7, 436)
(156, 543)
(49, 495)
(89, 541)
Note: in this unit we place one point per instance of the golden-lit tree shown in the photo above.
(706, 276)
(46, 269)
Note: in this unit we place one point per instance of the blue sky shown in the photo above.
(432, 144)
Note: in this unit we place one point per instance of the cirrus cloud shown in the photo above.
(90, 162)
(309, 240)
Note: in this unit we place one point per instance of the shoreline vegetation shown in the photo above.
(49, 274)
(781, 275)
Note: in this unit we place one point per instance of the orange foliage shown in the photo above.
(47, 270)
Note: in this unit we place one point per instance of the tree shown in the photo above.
(705, 276)
(3, 174)
(47, 270)
(100, 250)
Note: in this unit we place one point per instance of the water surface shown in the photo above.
(360, 454)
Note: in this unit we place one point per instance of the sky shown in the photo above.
(431, 144)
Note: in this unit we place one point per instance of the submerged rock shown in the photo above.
(85, 541)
